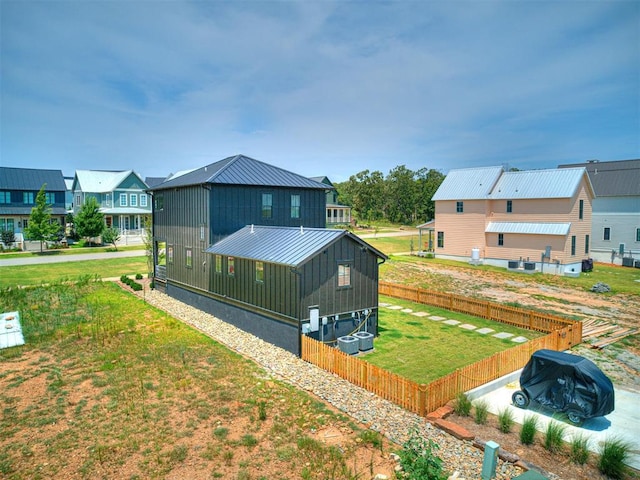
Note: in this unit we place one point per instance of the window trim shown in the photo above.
(188, 257)
(509, 206)
(606, 234)
(169, 254)
(343, 274)
(259, 272)
(460, 206)
(440, 239)
(501, 239)
(295, 207)
(638, 234)
(218, 262)
(231, 266)
(133, 199)
(143, 199)
(122, 200)
(586, 244)
(573, 245)
(267, 207)
(581, 210)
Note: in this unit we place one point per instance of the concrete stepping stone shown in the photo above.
(520, 339)
(420, 314)
(407, 310)
(484, 331)
(384, 304)
(451, 322)
(394, 307)
(436, 318)
(467, 326)
(503, 335)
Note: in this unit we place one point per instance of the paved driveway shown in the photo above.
(623, 422)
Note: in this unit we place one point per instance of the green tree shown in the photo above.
(8, 238)
(366, 191)
(40, 227)
(400, 195)
(111, 235)
(89, 222)
(428, 181)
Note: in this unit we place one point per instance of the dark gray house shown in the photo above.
(19, 188)
(246, 241)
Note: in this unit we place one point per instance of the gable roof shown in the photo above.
(528, 184)
(290, 246)
(100, 181)
(240, 170)
(27, 179)
(468, 183)
(612, 179)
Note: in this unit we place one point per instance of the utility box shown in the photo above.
(365, 341)
(349, 344)
(529, 266)
(627, 262)
(513, 264)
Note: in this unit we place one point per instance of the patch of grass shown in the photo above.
(505, 420)
(372, 438)
(613, 454)
(554, 436)
(528, 430)
(429, 350)
(579, 449)
(481, 410)
(248, 440)
(462, 405)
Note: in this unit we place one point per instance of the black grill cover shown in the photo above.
(562, 381)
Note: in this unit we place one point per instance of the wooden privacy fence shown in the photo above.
(424, 398)
(541, 322)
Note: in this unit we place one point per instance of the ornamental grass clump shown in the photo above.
(528, 431)
(554, 436)
(579, 453)
(462, 405)
(481, 411)
(613, 454)
(505, 420)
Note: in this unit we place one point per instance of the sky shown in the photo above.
(318, 87)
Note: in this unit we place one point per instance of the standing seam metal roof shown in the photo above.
(613, 179)
(551, 183)
(31, 179)
(532, 228)
(101, 181)
(290, 246)
(468, 183)
(241, 170)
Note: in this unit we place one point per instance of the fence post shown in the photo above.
(422, 400)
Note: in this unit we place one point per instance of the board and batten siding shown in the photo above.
(320, 280)
(236, 206)
(183, 224)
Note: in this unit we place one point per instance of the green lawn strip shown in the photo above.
(391, 245)
(126, 379)
(54, 272)
(69, 251)
(423, 350)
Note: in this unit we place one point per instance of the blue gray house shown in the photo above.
(19, 188)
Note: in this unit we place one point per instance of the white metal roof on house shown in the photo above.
(551, 183)
(100, 181)
(468, 183)
(531, 228)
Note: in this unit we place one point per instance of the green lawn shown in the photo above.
(54, 272)
(391, 245)
(424, 350)
(69, 251)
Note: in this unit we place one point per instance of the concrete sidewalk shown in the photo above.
(53, 258)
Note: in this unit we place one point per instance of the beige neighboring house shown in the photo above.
(535, 220)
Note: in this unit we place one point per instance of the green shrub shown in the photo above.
(554, 436)
(613, 453)
(505, 420)
(579, 449)
(529, 428)
(419, 461)
(138, 276)
(481, 411)
(462, 405)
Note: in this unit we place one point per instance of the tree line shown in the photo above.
(403, 196)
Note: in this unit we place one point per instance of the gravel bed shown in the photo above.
(378, 414)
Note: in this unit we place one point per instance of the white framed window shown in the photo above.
(344, 275)
(143, 199)
(133, 200)
(123, 199)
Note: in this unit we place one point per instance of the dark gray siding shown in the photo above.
(320, 280)
(281, 334)
(234, 206)
(184, 216)
(278, 293)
